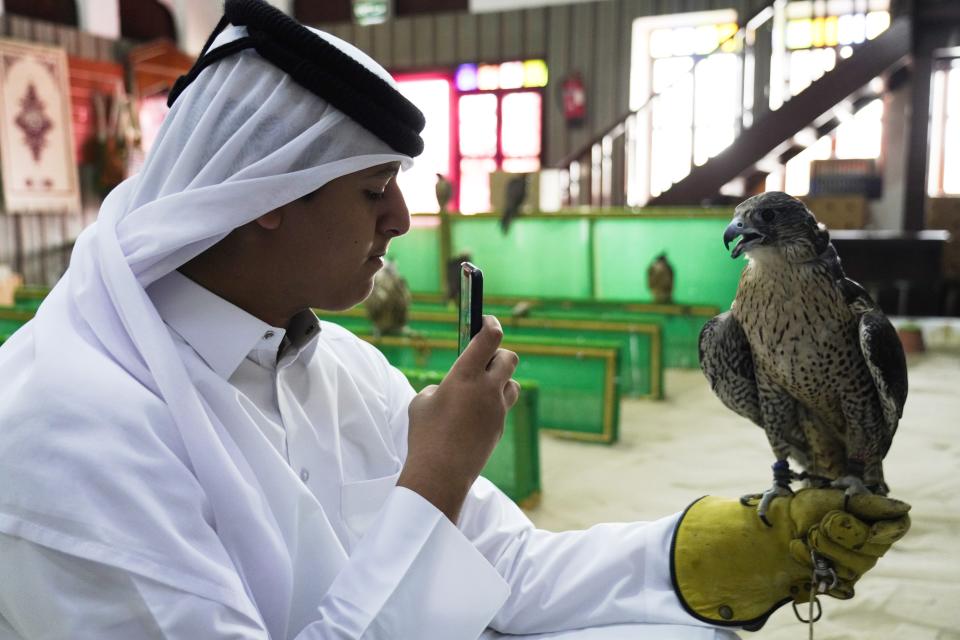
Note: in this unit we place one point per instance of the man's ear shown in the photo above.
(271, 220)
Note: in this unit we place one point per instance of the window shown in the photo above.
(858, 136)
(433, 95)
(500, 114)
(944, 174)
(690, 66)
(816, 35)
(480, 119)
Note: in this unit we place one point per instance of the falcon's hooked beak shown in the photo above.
(750, 237)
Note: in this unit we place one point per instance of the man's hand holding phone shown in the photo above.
(455, 426)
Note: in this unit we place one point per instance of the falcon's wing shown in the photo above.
(727, 362)
(882, 351)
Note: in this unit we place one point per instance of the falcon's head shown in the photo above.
(775, 221)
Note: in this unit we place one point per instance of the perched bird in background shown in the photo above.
(805, 353)
(453, 276)
(444, 191)
(387, 304)
(516, 193)
(521, 309)
(660, 280)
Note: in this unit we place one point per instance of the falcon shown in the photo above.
(805, 353)
(514, 197)
(386, 306)
(444, 191)
(660, 279)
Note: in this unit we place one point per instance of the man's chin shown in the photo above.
(346, 301)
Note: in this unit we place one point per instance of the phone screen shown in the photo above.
(471, 302)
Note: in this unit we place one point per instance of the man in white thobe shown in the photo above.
(186, 452)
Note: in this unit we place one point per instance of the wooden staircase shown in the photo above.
(772, 136)
(595, 175)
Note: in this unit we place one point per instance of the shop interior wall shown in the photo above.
(45, 238)
(592, 38)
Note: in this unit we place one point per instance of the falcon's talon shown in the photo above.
(852, 484)
(776, 491)
(750, 499)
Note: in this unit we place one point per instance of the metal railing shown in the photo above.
(598, 173)
(606, 171)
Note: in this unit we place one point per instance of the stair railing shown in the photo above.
(599, 173)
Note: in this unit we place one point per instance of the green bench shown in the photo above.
(640, 370)
(27, 298)
(645, 352)
(578, 393)
(580, 387)
(11, 319)
(514, 465)
(679, 325)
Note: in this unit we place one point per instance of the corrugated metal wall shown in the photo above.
(592, 38)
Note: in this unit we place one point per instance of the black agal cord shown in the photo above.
(319, 67)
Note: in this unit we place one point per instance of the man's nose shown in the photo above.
(395, 220)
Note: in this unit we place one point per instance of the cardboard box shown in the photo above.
(839, 212)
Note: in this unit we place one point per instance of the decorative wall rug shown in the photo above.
(37, 156)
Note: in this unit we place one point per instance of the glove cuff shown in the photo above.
(723, 562)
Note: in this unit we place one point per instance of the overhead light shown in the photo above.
(366, 12)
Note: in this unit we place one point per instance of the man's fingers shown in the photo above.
(871, 508)
(886, 532)
(511, 392)
(847, 562)
(473, 361)
(844, 529)
(503, 364)
(853, 533)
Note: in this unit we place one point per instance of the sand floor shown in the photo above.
(674, 451)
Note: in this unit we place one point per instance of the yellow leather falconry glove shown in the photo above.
(731, 569)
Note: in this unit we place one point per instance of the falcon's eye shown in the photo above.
(767, 215)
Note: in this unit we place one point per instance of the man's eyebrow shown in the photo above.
(386, 171)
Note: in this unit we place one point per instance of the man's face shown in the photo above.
(330, 244)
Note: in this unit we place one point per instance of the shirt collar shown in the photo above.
(222, 333)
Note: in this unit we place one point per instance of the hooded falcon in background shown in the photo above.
(805, 353)
(513, 199)
(387, 304)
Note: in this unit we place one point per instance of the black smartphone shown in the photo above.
(471, 302)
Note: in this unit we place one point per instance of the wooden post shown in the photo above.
(915, 183)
